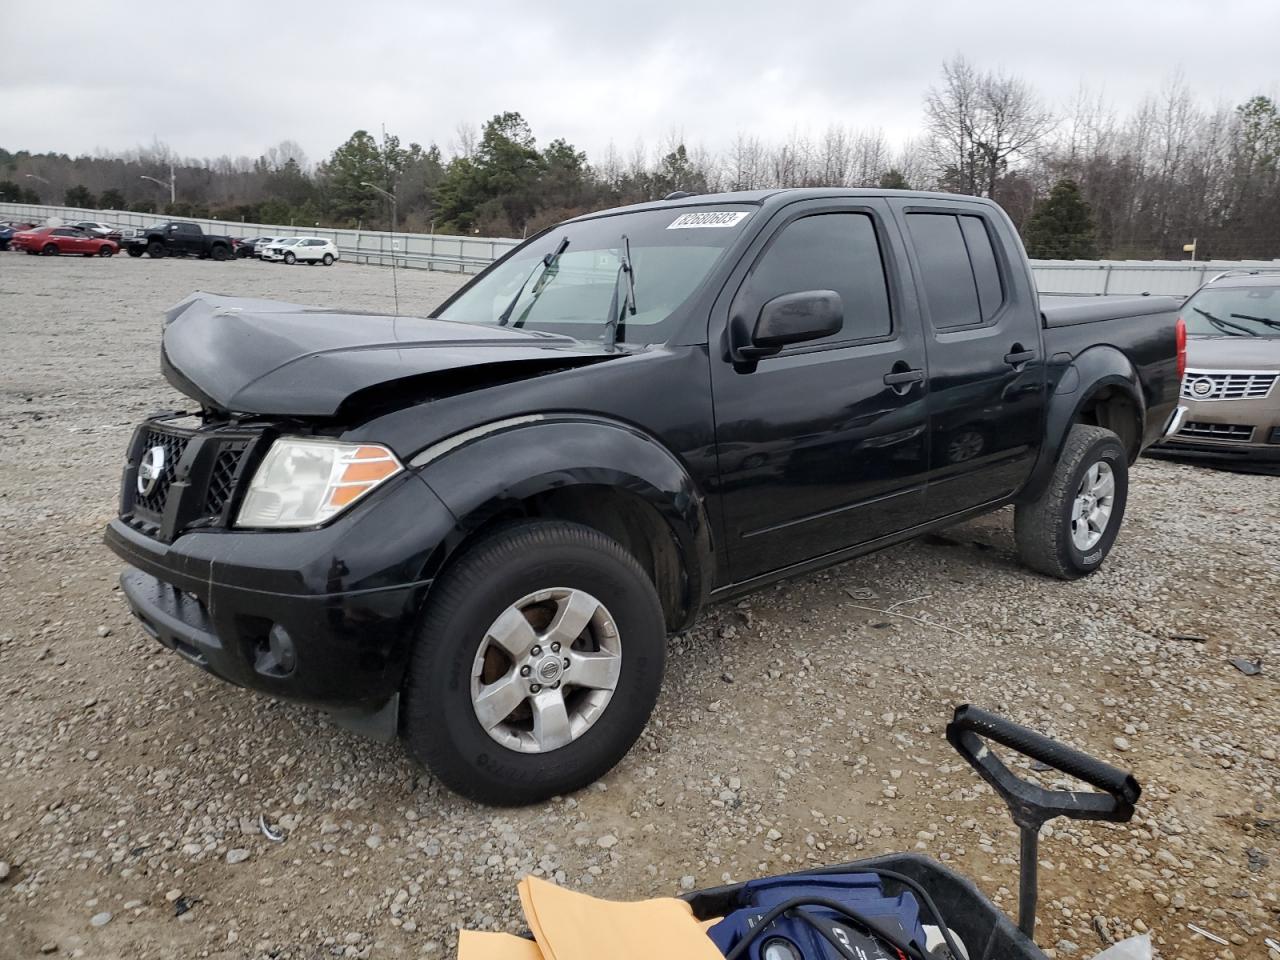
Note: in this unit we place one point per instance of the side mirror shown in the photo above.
(790, 318)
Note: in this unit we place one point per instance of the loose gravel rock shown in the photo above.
(796, 727)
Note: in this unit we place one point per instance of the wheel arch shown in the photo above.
(1102, 388)
(606, 475)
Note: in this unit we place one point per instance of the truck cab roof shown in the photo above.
(774, 198)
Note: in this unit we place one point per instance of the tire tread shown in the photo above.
(505, 545)
(1038, 530)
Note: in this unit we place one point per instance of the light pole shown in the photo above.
(171, 183)
(395, 286)
(390, 196)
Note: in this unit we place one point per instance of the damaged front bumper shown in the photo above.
(307, 615)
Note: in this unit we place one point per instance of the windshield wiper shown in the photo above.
(1223, 324)
(1267, 320)
(625, 269)
(543, 264)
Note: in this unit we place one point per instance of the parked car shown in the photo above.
(246, 246)
(179, 240)
(1230, 401)
(52, 241)
(6, 234)
(276, 249)
(100, 230)
(260, 247)
(308, 250)
(477, 529)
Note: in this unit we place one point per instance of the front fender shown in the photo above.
(1092, 371)
(492, 470)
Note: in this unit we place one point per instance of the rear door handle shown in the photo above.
(1018, 357)
(900, 377)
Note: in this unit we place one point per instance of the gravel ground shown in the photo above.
(800, 726)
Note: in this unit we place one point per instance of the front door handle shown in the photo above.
(902, 377)
(1017, 356)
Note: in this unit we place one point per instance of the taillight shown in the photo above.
(1181, 328)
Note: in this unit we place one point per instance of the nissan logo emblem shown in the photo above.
(150, 470)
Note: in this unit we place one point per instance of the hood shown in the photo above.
(262, 357)
(1233, 353)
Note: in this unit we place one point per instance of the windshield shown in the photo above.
(672, 252)
(1234, 312)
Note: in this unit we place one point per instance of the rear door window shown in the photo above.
(958, 269)
(830, 251)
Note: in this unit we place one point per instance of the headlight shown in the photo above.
(301, 483)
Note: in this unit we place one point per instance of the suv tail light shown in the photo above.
(1181, 328)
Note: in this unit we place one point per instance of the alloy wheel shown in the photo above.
(546, 670)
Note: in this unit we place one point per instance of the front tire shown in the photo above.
(50, 250)
(290, 259)
(1069, 530)
(155, 249)
(105, 251)
(328, 259)
(134, 251)
(490, 707)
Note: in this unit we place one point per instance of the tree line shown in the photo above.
(1078, 182)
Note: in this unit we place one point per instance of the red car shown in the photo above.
(52, 241)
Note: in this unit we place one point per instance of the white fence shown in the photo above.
(1096, 277)
(424, 250)
(472, 254)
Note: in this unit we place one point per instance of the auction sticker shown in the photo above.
(710, 218)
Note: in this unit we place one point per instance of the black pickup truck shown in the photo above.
(177, 239)
(478, 529)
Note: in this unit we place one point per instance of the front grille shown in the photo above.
(1227, 385)
(172, 446)
(201, 470)
(223, 476)
(1238, 432)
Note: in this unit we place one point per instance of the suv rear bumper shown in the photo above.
(343, 599)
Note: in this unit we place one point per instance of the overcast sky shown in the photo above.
(235, 78)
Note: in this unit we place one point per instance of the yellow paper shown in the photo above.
(476, 945)
(574, 926)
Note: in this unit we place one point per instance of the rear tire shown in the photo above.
(1068, 531)
(530, 571)
(220, 253)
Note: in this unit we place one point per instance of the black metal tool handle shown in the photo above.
(972, 724)
(1032, 805)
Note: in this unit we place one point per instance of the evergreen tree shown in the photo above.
(1061, 226)
(112, 199)
(892, 179)
(356, 162)
(79, 196)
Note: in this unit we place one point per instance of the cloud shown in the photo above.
(592, 72)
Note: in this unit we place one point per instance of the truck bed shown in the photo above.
(1061, 311)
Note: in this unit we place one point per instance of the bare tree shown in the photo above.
(746, 164)
(979, 124)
